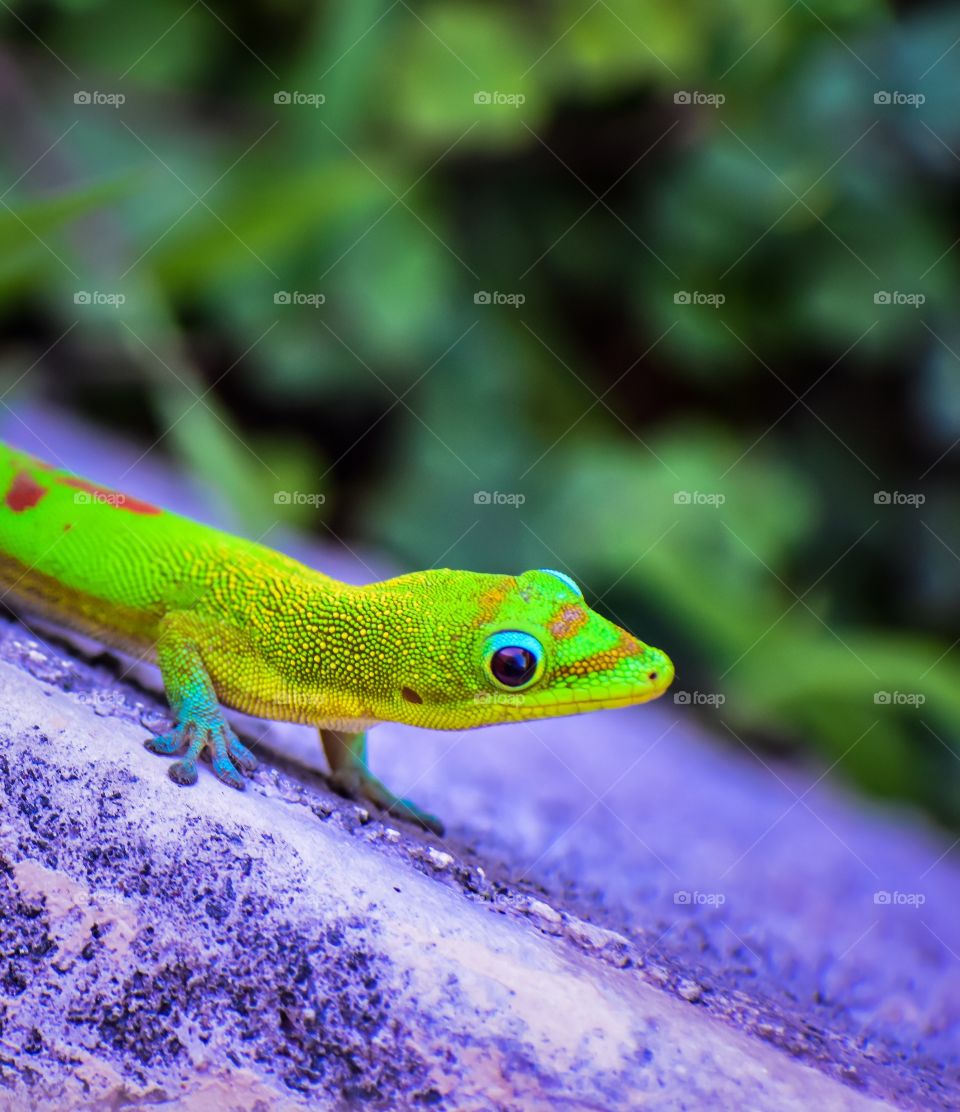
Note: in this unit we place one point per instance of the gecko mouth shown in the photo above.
(632, 694)
(608, 703)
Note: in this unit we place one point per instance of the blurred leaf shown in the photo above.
(25, 225)
(459, 68)
(622, 42)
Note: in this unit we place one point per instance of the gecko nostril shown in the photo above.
(652, 675)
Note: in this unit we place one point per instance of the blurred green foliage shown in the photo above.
(574, 155)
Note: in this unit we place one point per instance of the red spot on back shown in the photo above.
(111, 497)
(24, 493)
(67, 527)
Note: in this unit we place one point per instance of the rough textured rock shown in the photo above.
(202, 946)
(623, 915)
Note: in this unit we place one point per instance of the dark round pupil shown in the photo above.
(513, 666)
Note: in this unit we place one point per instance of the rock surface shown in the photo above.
(623, 915)
(214, 949)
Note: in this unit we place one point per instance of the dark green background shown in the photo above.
(599, 399)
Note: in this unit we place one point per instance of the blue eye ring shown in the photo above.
(513, 660)
(564, 578)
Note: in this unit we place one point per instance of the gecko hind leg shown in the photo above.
(350, 776)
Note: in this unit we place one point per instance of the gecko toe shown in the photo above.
(165, 744)
(240, 754)
(225, 772)
(183, 772)
(404, 809)
(356, 782)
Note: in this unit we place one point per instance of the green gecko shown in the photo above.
(232, 622)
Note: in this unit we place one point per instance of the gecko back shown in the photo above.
(112, 565)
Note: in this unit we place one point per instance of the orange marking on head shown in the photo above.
(24, 493)
(625, 646)
(111, 497)
(491, 600)
(570, 620)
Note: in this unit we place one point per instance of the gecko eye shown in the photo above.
(513, 659)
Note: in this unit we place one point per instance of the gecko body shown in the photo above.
(233, 622)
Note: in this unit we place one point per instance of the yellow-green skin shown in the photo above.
(233, 622)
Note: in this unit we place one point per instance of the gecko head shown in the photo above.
(497, 648)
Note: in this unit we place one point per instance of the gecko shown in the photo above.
(233, 623)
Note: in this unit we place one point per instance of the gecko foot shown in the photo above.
(356, 782)
(204, 736)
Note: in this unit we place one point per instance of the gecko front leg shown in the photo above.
(200, 722)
